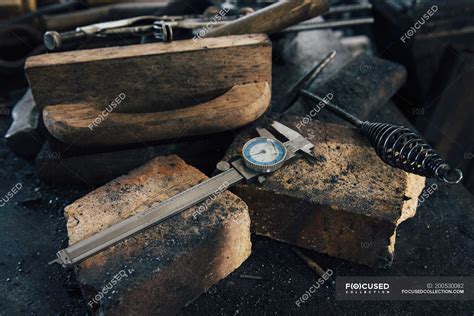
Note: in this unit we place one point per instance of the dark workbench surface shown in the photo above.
(438, 241)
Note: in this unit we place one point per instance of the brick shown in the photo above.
(163, 268)
(347, 205)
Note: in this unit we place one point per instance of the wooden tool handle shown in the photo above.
(273, 18)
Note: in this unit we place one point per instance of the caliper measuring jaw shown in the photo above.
(262, 153)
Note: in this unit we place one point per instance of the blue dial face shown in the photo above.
(264, 152)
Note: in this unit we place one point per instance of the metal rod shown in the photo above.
(326, 25)
(350, 8)
(333, 108)
(307, 80)
(311, 263)
(251, 277)
(319, 68)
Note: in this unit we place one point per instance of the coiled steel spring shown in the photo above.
(399, 146)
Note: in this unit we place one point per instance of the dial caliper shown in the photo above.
(261, 155)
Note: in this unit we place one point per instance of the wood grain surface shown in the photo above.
(155, 77)
(70, 123)
(273, 18)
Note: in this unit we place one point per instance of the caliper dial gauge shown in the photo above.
(264, 154)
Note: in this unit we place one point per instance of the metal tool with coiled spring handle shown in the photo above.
(398, 146)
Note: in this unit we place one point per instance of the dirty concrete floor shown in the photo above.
(438, 241)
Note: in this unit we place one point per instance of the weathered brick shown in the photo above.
(347, 205)
(163, 268)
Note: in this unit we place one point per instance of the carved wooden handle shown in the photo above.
(273, 18)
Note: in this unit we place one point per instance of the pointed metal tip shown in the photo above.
(55, 261)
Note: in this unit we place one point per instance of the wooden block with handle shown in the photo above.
(154, 91)
(154, 77)
(74, 123)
